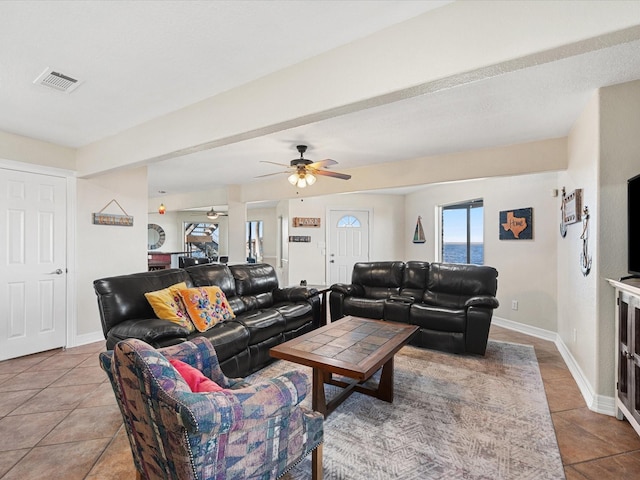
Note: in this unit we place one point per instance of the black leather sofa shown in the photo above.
(451, 303)
(266, 315)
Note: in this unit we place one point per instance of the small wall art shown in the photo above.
(418, 234)
(306, 222)
(516, 224)
(299, 238)
(101, 218)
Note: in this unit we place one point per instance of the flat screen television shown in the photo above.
(633, 225)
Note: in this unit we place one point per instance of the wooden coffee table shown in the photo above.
(352, 347)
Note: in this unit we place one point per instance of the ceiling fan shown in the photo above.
(212, 214)
(303, 172)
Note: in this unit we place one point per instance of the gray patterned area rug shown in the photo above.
(453, 417)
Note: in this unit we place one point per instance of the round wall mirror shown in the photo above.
(155, 236)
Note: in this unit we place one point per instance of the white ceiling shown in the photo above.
(142, 59)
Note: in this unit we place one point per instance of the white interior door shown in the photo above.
(33, 265)
(348, 243)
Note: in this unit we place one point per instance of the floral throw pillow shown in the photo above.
(167, 305)
(206, 306)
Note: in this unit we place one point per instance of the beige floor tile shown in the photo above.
(31, 380)
(86, 424)
(56, 398)
(116, 462)
(60, 361)
(577, 444)
(102, 395)
(618, 467)
(81, 376)
(9, 401)
(563, 394)
(10, 458)
(71, 461)
(25, 431)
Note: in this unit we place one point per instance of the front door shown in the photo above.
(33, 265)
(348, 243)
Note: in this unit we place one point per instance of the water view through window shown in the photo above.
(462, 233)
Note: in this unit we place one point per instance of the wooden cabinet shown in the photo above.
(628, 350)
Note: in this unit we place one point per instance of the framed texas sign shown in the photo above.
(516, 224)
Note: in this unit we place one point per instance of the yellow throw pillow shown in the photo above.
(167, 305)
(206, 306)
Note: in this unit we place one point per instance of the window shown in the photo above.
(348, 221)
(254, 241)
(462, 227)
(202, 239)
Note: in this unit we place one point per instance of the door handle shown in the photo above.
(56, 272)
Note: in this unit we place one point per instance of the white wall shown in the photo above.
(526, 268)
(24, 149)
(269, 218)
(103, 250)
(619, 161)
(308, 260)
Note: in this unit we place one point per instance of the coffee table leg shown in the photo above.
(385, 387)
(318, 400)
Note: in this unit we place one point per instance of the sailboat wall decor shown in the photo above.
(418, 236)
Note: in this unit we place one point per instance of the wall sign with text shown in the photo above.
(306, 222)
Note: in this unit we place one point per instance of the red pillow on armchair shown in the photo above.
(196, 380)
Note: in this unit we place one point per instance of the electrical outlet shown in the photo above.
(514, 304)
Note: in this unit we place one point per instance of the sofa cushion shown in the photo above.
(262, 324)
(414, 279)
(228, 338)
(295, 314)
(254, 279)
(363, 307)
(219, 275)
(378, 276)
(438, 318)
(451, 285)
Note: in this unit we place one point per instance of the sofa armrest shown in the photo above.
(228, 410)
(150, 330)
(482, 301)
(293, 294)
(348, 289)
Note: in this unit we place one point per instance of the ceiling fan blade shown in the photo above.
(327, 173)
(275, 163)
(270, 174)
(322, 163)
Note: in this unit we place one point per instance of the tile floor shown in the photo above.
(59, 420)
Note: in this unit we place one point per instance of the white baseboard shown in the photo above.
(79, 340)
(597, 403)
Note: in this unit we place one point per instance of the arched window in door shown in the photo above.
(348, 221)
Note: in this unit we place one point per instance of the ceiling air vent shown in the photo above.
(57, 81)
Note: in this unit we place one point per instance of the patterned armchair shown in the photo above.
(241, 432)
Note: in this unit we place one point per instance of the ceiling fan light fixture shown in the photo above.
(212, 214)
(293, 179)
(302, 182)
(310, 178)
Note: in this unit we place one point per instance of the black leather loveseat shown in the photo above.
(266, 315)
(451, 303)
